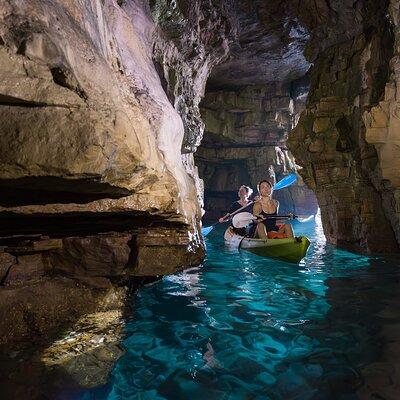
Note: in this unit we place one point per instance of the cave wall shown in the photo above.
(245, 141)
(383, 132)
(342, 139)
(98, 101)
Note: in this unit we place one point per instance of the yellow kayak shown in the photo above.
(291, 250)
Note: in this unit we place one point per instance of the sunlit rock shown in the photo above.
(98, 101)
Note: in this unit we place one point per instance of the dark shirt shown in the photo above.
(236, 205)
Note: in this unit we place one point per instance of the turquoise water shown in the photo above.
(245, 327)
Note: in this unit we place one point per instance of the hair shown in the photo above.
(264, 180)
(249, 190)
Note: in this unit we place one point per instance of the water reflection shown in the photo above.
(242, 327)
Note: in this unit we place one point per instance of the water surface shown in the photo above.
(245, 327)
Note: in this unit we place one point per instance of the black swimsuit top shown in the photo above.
(270, 224)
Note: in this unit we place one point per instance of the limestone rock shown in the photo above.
(27, 268)
(93, 256)
(6, 261)
(339, 163)
(87, 122)
(98, 100)
(153, 257)
(38, 309)
(321, 125)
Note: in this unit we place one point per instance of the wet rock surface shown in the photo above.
(35, 309)
(80, 357)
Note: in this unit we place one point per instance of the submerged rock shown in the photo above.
(87, 353)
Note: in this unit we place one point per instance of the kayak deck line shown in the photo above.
(289, 249)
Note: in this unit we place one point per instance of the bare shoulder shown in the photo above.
(276, 205)
(257, 208)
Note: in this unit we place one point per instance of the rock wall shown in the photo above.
(383, 131)
(245, 135)
(357, 199)
(97, 101)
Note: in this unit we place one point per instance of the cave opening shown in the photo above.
(252, 102)
(246, 129)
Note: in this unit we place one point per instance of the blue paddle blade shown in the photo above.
(206, 230)
(286, 181)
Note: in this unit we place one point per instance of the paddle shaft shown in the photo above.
(279, 217)
(238, 210)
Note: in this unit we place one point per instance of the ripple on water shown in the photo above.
(244, 327)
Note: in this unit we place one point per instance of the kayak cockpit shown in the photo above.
(289, 249)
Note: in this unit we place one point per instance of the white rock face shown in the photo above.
(82, 100)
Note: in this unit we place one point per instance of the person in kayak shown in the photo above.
(265, 207)
(244, 193)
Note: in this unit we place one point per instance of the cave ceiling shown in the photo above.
(278, 40)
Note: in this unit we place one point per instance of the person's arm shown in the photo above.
(231, 209)
(224, 218)
(257, 208)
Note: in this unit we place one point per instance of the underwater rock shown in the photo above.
(89, 350)
(36, 310)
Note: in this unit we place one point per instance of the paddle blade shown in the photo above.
(206, 230)
(242, 219)
(305, 219)
(286, 181)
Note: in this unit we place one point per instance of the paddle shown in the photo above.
(283, 183)
(245, 218)
(207, 229)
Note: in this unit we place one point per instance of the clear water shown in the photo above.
(245, 327)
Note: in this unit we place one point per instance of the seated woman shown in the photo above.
(264, 207)
(243, 193)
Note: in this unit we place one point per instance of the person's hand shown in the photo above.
(257, 198)
(259, 218)
(221, 220)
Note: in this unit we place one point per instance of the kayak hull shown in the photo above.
(290, 250)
